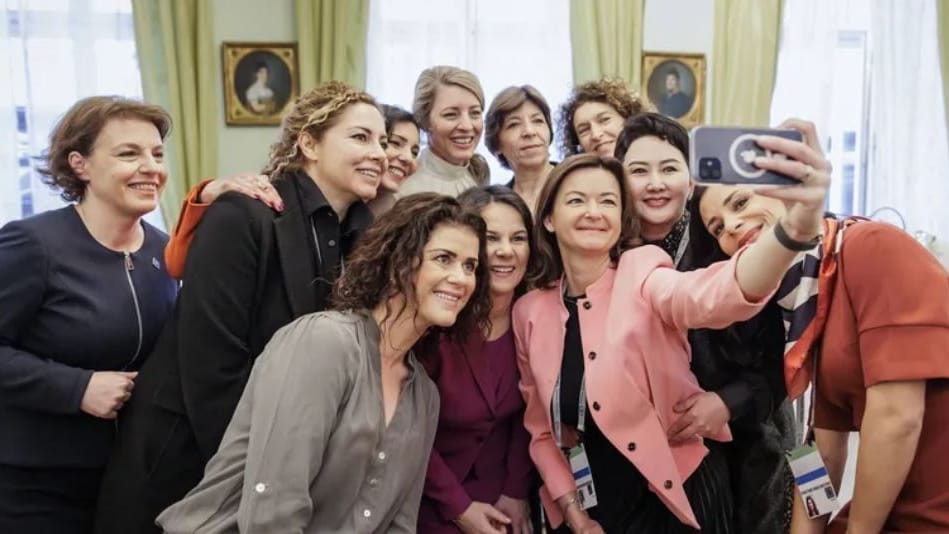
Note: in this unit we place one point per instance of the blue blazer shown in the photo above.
(70, 307)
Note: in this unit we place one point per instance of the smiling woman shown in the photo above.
(84, 296)
(309, 432)
(449, 106)
(250, 270)
(519, 133)
(591, 267)
(592, 118)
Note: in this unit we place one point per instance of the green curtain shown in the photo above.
(744, 56)
(175, 44)
(607, 39)
(332, 41)
(942, 8)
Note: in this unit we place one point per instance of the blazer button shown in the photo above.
(596, 405)
(592, 355)
(668, 484)
(587, 305)
(631, 447)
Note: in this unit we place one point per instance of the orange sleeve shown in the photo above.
(177, 249)
(900, 298)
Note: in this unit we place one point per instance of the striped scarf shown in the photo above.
(804, 298)
(797, 296)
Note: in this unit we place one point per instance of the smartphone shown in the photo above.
(724, 155)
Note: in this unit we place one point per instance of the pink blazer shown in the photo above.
(634, 321)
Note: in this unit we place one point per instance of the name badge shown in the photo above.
(812, 480)
(583, 477)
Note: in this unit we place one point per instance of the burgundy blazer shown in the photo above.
(481, 445)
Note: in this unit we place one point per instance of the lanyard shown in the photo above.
(683, 243)
(809, 428)
(581, 410)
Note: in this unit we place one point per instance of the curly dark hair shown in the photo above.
(477, 198)
(611, 91)
(385, 261)
(78, 130)
(549, 265)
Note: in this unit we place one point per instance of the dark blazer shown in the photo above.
(481, 445)
(249, 272)
(744, 365)
(70, 307)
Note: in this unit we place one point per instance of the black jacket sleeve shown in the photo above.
(215, 314)
(29, 380)
(753, 354)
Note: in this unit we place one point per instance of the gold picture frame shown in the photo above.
(261, 82)
(675, 84)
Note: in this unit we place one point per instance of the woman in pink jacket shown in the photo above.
(603, 352)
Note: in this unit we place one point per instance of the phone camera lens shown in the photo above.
(710, 169)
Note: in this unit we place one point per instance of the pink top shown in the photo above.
(634, 319)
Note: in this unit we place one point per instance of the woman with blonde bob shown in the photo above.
(518, 131)
(604, 356)
(250, 271)
(334, 430)
(449, 107)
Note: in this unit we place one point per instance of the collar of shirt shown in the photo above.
(312, 200)
(375, 337)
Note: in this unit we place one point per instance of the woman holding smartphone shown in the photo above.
(867, 310)
(608, 321)
(741, 367)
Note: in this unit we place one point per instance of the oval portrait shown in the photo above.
(671, 88)
(263, 83)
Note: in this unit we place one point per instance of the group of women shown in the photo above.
(369, 338)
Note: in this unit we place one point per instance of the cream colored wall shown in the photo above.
(682, 26)
(670, 26)
(244, 148)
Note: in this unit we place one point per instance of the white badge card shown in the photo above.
(583, 477)
(812, 480)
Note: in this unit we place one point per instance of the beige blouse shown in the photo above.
(435, 175)
(308, 450)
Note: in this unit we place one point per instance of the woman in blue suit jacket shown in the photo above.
(83, 294)
(480, 471)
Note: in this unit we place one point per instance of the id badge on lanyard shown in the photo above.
(577, 456)
(812, 480)
(810, 475)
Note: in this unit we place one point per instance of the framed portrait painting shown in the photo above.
(675, 85)
(261, 81)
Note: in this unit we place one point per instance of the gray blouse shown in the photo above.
(308, 449)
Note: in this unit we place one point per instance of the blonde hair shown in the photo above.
(426, 87)
(431, 79)
(314, 112)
